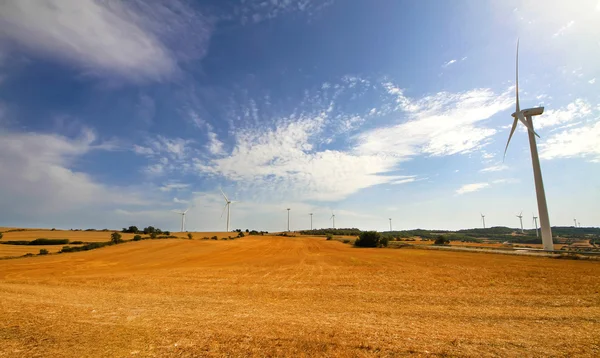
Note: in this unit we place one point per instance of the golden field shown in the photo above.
(276, 296)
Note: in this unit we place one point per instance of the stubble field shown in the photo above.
(275, 296)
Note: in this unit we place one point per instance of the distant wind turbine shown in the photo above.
(520, 216)
(182, 213)
(311, 214)
(537, 234)
(483, 219)
(575, 220)
(228, 207)
(390, 224)
(288, 209)
(333, 218)
(526, 117)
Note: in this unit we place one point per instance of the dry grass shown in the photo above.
(273, 296)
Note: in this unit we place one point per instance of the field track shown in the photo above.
(275, 296)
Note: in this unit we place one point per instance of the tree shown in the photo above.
(153, 235)
(43, 252)
(137, 238)
(115, 238)
(190, 236)
(368, 239)
(149, 230)
(441, 240)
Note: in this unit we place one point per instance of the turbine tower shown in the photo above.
(228, 207)
(182, 213)
(526, 117)
(333, 218)
(520, 216)
(311, 214)
(390, 224)
(483, 219)
(288, 209)
(575, 220)
(537, 234)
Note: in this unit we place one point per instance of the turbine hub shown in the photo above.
(530, 112)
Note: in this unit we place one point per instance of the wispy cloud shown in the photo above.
(563, 29)
(451, 62)
(135, 40)
(174, 186)
(573, 111)
(470, 188)
(494, 168)
(578, 142)
(254, 11)
(592, 81)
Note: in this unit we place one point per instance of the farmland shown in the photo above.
(302, 296)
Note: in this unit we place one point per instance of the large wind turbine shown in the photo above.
(228, 207)
(526, 117)
(483, 219)
(537, 234)
(333, 218)
(520, 216)
(182, 213)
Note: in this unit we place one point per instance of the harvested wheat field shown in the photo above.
(275, 296)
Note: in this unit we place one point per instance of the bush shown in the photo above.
(206, 238)
(329, 237)
(241, 234)
(86, 247)
(384, 241)
(49, 242)
(441, 240)
(224, 238)
(43, 252)
(53, 229)
(346, 241)
(115, 238)
(1, 235)
(29, 254)
(368, 239)
(214, 238)
(254, 232)
(76, 242)
(137, 238)
(190, 236)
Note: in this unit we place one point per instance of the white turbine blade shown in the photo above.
(526, 123)
(512, 131)
(177, 212)
(225, 196)
(517, 80)
(223, 212)
(185, 212)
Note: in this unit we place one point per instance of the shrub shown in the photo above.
(214, 238)
(43, 252)
(16, 242)
(29, 254)
(53, 229)
(384, 241)
(153, 235)
(368, 239)
(1, 235)
(441, 240)
(346, 241)
(190, 236)
(254, 232)
(206, 238)
(168, 233)
(241, 234)
(115, 238)
(137, 238)
(76, 242)
(329, 237)
(224, 238)
(86, 247)
(49, 242)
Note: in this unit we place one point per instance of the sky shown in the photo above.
(116, 113)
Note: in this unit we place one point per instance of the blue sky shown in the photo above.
(116, 113)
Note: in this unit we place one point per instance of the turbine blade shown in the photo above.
(517, 80)
(225, 196)
(512, 131)
(223, 212)
(526, 123)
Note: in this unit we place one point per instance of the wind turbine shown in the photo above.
(228, 207)
(390, 224)
(182, 213)
(537, 234)
(526, 117)
(333, 218)
(311, 214)
(483, 219)
(575, 220)
(288, 209)
(520, 216)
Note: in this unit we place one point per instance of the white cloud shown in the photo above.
(469, 188)
(494, 168)
(445, 65)
(439, 125)
(563, 29)
(254, 11)
(404, 180)
(214, 145)
(592, 81)
(577, 142)
(575, 110)
(174, 186)
(38, 179)
(135, 40)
